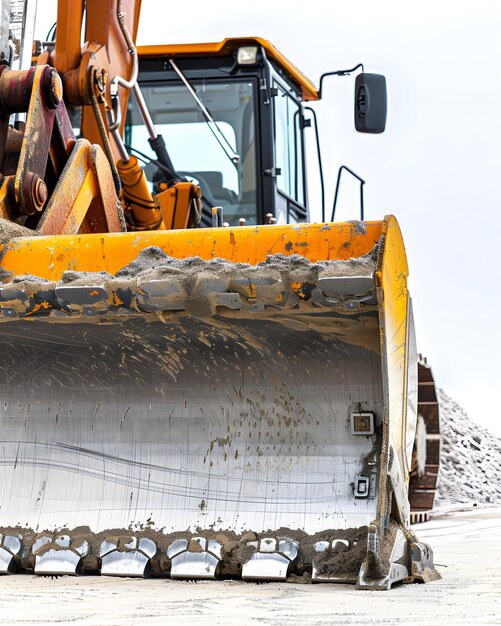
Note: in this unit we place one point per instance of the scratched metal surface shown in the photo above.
(184, 424)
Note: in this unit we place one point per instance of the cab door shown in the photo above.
(290, 198)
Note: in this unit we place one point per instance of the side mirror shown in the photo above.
(370, 103)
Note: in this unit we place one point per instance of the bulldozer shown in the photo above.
(196, 382)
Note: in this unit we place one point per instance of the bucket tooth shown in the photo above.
(58, 556)
(80, 299)
(323, 571)
(422, 568)
(379, 573)
(206, 294)
(229, 300)
(9, 293)
(80, 295)
(160, 295)
(347, 286)
(194, 559)
(271, 560)
(14, 302)
(266, 292)
(10, 547)
(129, 557)
(348, 292)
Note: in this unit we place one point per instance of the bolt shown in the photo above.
(29, 198)
(52, 88)
(40, 192)
(100, 78)
(35, 194)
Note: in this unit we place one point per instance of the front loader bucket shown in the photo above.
(246, 413)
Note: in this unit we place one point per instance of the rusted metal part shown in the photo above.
(34, 156)
(15, 90)
(14, 143)
(66, 200)
(423, 485)
(52, 89)
(63, 140)
(28, 173)
(4, 132)
(84, 199)
(38, 188)
(105, 215)
(79, 82)
(36, 91)
(17, 87)
(42, 165)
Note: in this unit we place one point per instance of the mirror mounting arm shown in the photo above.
(337, 73)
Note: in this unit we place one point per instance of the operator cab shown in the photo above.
(232, 119)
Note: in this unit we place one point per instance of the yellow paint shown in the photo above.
(87, 192)
(49, 256)
(394, 311)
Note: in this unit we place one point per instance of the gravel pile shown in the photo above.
(471, 459)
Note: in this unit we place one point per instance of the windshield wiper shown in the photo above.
(211, 123)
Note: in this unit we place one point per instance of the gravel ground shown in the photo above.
(471, 459)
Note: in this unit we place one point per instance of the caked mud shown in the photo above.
(10, 230)
(280, 280)
(340, 559)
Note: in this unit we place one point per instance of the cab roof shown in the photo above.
(226, 47)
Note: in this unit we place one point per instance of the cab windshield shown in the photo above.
(197, 152)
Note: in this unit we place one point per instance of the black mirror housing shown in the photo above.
(370, 103)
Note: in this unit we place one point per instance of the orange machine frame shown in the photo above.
(226, 47)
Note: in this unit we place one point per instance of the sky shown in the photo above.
(436, 167)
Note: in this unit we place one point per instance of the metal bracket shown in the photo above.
(362, 183)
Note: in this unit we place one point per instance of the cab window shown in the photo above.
(288, 148)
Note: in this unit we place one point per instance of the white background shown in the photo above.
(437, 166)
